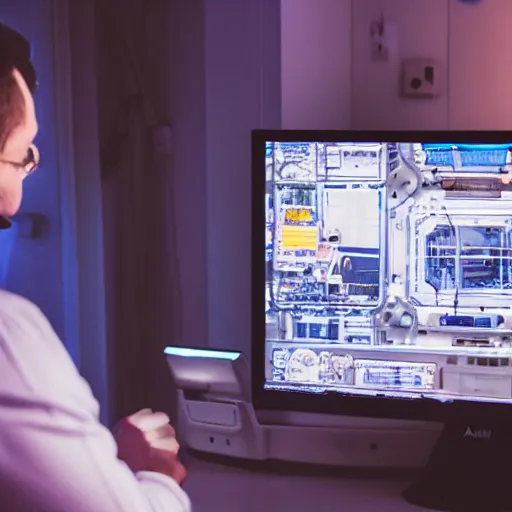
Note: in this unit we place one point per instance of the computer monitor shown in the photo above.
(382, 279)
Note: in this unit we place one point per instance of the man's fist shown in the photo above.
(146, 442)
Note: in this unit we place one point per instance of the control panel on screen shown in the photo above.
(389, 268)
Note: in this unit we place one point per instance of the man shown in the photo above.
(54, 454)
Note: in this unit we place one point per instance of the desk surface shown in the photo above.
(217, 488)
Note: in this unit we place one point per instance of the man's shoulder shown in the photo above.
(15, 307)
(28, 351)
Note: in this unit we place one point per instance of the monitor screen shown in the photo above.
(388, 264)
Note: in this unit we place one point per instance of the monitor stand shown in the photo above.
(469, 470)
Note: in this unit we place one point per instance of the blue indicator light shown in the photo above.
(199, 352)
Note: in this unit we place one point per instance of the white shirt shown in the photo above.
(55, 456)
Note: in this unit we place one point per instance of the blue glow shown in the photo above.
(294, 150)
(7, 242)
(470, 154)
(469, 147)
(199, 352)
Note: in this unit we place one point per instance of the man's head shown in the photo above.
(18, 124)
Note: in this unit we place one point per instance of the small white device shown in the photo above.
(214, 410)
(216, 416)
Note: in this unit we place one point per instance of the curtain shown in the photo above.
(142, 306)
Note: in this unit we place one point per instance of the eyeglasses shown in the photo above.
(29, 164)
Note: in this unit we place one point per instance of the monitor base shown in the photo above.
(468, 471)
(231, 427)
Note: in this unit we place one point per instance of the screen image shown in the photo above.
(381, 287)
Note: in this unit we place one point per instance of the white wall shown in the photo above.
(471, 43)
(419, 29)
(232, 88)
(481, 65)
(315, 64)
(242, 93)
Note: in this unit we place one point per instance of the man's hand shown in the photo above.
(146, 442)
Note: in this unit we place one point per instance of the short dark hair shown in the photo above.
(14, 54)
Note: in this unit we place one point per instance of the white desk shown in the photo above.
(217, 488)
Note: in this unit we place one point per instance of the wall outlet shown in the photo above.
(379, 44)
(379, 50)
(420, 78)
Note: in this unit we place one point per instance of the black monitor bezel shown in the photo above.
(337, 403)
